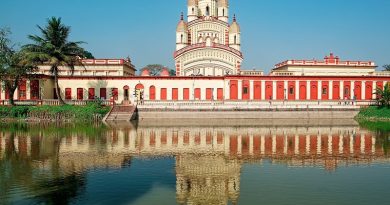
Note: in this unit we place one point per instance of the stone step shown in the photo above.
(121, 113)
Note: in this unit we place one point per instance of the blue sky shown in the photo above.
(272, 30)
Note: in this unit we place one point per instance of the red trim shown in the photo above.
(197, 94)
(152, 92)
(163, 94)
(209, 93)
(313, 90)
(325, 90)
(246, 90)
(186, 93)
(233, 90)
(369, 90)
(291, 87)
(257, 90)
(175, 94)
(358, 90)
(68, 93)
(268, 90)
(80, 93)
(103, 93)
(280, 90)
(302, 90)
(91, 93)
(236, 77)
(220, 94)
(336, 90)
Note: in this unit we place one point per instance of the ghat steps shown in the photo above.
(122, 113)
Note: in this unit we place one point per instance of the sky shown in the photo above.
(272, 30)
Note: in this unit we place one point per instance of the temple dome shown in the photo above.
(145, 72)
(192, 2)
(234, 27)
(223, 3)
(182, 26)
(165, 72)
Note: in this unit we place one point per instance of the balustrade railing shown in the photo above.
(209, 104)
(252, 104)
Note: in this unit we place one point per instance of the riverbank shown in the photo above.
(373, 113)
(248, 114)
(65, 113)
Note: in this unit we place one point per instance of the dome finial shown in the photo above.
(234, 18)
(182, 16)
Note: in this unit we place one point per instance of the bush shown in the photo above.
(374, 113)
(66, 112)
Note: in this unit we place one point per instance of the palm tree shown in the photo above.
(383, 95)
(54, 49)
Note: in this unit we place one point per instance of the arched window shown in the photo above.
(181, 38)
(207, 11)
(235, 39)
(193, 10)
(223, 12)
(152, 93)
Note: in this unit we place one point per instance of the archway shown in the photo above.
(139, 92)
(126, 92)
(152, 92)
(208, 41)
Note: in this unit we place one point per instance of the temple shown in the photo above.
(208, 45)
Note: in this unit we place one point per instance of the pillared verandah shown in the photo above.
(208, 34)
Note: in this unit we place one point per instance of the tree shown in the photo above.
(172, 72)
(386, 67)
(54, 49)
(13, 66)
(155, 69)
(88, 55)
(383, 95)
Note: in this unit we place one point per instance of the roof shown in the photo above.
(330, 60)
(234, 28)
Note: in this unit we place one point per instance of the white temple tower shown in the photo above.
(207, 45)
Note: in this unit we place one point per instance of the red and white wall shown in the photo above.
(247, 88)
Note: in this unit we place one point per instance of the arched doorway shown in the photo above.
(126, 92)
(152, 92)
(233, 90)
(139, 92)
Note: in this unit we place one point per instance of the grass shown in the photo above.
(374, 113)
(55, 113)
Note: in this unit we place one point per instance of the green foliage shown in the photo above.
(386, 67)
(383, 96)
(88, 55)
(374, 113)
(375, 125)
(13, 67)
(54, 49)
(65, 112)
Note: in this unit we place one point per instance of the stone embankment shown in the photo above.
(247, 110)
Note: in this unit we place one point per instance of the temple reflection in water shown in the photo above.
(208, 159)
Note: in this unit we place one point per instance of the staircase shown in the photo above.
(121, 113)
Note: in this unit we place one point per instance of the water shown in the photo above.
(195, 162)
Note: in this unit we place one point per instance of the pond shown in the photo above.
(195, 162)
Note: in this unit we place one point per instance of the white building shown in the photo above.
(207, 44)
(330, 66)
